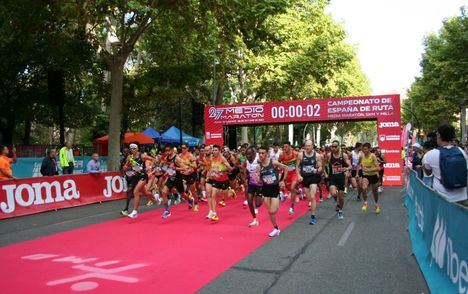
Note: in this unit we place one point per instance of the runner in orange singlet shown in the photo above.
(288, 157)
(217, 180)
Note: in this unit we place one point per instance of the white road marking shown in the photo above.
(346, 234)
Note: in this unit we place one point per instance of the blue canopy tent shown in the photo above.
(152, 133)
(172, 135)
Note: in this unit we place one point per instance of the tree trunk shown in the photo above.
(27, 131)
(463, 125)
(115, 117)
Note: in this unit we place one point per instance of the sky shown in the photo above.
(388, 35)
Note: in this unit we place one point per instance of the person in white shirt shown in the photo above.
(445, 135)
(275, 152)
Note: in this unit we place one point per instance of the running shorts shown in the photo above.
(312, 179)
(233, 175)
(190, 179)
(271, 191)
(221, 185)
(337, 181)
(254, 190)
(291, 177)
(372, 179)
(353, 173)
(175, 183)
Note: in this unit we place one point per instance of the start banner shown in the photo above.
(32, 195)
(439, 237)
(385, 109)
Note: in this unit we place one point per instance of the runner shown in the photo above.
(267, 172)
(254, 186)
(339, 164)
(170, 165)
(356, 177)
(139, 177)
(231, 158)
(288, 158)
(204, 155)
(308, 169)
(217, 180)
(188, 168)
(370, 169)
(381, 159)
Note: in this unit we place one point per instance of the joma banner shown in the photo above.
(33, 195)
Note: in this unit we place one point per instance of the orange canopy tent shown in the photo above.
(101, 144)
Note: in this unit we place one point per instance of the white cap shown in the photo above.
(417, 145)
(133, 146)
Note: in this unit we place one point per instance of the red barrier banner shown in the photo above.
(32, 195)
(385, 109)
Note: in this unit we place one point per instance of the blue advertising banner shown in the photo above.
(438, 231)
(29, 167)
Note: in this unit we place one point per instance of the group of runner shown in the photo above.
(267, 175)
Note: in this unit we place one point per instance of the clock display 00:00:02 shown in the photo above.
(309, 110)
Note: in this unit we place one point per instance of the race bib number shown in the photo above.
(309, 169)
(269, 179)
(137, 168)
(130, 173)
(337, 169)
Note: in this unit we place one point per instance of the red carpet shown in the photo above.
(143, 255)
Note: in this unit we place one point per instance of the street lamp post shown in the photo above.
(215, 62)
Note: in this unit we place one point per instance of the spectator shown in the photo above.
(94, 166)
(67, 161)
(5, 163)
(416, 158)
(445, 135)
(49, 164)
(275, 152)
(427, 179)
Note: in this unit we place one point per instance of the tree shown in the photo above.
(440, 93)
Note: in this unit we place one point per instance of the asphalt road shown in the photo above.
(364, 253)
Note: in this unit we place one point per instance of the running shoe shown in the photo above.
(166, 214)
(245, 204)
(222, 203)
(364, 207)
(214, 218)
(254, 223)
(209, 215)
(346, 190)
(377, 208)
(124, 212)
(291, 210)
(242, 188)
(310, 203)
(177, 199)
(234, 194)
(281, 196)
(190, 203)
(195, 208)
(340, 215)
(149, 203)
(312, 220)
(380, 189)
(133, 214)
(256, 211)
(274, 233)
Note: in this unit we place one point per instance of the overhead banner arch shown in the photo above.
(385, 109)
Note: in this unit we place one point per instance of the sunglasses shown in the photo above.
(183, 147)
(334, 146)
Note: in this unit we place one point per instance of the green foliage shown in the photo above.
(441, 91)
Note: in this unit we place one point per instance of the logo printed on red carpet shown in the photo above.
(99, 270)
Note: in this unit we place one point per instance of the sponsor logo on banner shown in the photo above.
(236, 112)
(216, 136)
(391, 151)
(392, 165)
(446, 258)
(389, 124)
(392, 178)
(208, 135)
(383, 138)
(32, 194)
